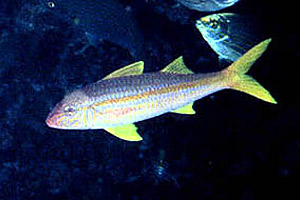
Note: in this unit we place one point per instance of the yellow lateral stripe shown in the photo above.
(144, 95)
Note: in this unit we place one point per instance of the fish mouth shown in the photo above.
(200, 25)
(54, 120)
(199, 22)
(50, 121)
(53, 116)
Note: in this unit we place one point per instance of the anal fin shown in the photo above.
(126, 132)
(188, 110)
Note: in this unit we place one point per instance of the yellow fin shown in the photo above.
(238, 80)
(132, 69)
(188, 110)
(249, 85)
(245, 62)
(177, 67)
(126, 132)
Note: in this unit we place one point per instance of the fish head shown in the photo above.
(215, 27)
(70, 113)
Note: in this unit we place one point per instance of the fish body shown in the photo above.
(102, 20)
(131, 99)
(229, 35)
(207, 5)
(128, 95)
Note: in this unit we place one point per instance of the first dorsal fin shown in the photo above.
(177, 67)
(132, 69)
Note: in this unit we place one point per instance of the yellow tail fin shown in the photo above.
(238, 80)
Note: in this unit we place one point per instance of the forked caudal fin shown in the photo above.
(238, 80)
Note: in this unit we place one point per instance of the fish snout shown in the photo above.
(199, 22)
(52, 120)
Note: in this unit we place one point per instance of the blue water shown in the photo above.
(235, 147)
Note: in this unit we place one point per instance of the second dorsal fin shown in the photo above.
(177, 67)
(136, 68)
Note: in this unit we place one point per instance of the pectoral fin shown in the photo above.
(188, 110)
(126, 132)
(132, 69)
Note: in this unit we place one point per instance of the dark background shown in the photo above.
(235, 147)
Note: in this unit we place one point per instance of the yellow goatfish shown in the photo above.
(128, 95)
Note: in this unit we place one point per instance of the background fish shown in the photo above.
(207, 5)
(229, 35)
(102, 20)
(127, 95)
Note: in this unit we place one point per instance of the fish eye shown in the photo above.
(214, 24)
(69, 109)
(51, 4)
